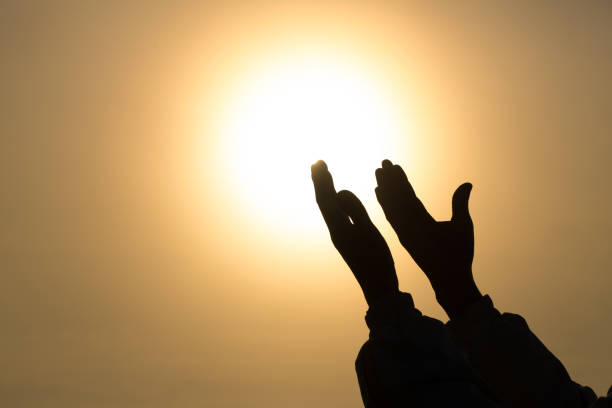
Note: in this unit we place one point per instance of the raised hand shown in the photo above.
(354, 235)
(443, 250)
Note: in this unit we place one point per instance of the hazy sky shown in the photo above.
(136, 271)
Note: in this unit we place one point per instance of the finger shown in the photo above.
(379, 176)
(461, 197)
(397, 196)
(390, 175)
(353, 207)
(382, 173)
(392, 178)
(401, 179)
(326, 197)
(379, 195)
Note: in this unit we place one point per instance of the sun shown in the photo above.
(291, 111)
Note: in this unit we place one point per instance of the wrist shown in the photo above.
(377, 295)
(387, 311)
(456, 298)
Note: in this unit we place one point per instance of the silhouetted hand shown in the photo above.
(361, 245)
(443, 250)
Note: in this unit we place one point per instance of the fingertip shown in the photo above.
(386, 163)
(348, 196)
(353, 207)
(463, 190)
(343, 192)
(467, 187)
(460, 202)
(346, 200)
(319, 164)
(318, 170)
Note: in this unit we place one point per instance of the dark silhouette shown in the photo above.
(480, 358)
(355, 236)
(443, 250)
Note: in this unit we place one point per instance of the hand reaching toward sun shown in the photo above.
(444, 250)
(355, 236)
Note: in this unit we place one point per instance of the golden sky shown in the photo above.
(140, 264)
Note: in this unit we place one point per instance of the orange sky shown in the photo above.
(133, 272)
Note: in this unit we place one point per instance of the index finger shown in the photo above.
(327, 198)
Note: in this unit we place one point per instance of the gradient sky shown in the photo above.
(133, 272)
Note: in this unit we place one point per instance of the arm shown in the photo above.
(501, 347)
(514, 361)
(409, 359)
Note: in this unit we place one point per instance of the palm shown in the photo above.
(441, 249)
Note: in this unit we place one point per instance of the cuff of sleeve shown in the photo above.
(474, 320)
(389, 310)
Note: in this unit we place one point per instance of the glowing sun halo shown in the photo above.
(293, 111)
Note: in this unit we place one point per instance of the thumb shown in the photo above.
(460, 202)
(351, 205)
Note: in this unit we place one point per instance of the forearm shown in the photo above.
(512, 359)
(411, 360)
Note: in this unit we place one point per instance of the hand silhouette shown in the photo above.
(354, 235)
(443, 250)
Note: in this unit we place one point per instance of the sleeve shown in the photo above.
(590, 399)
(411, 360)
(513, 361)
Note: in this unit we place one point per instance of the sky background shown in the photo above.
(134, 271)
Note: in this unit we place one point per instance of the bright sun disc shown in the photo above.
(293, 111)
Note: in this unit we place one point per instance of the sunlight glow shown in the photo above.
(292, 111)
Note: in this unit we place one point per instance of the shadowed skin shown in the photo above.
(355, 236)
(444, 250)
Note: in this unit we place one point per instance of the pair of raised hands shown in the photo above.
(444, 250)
